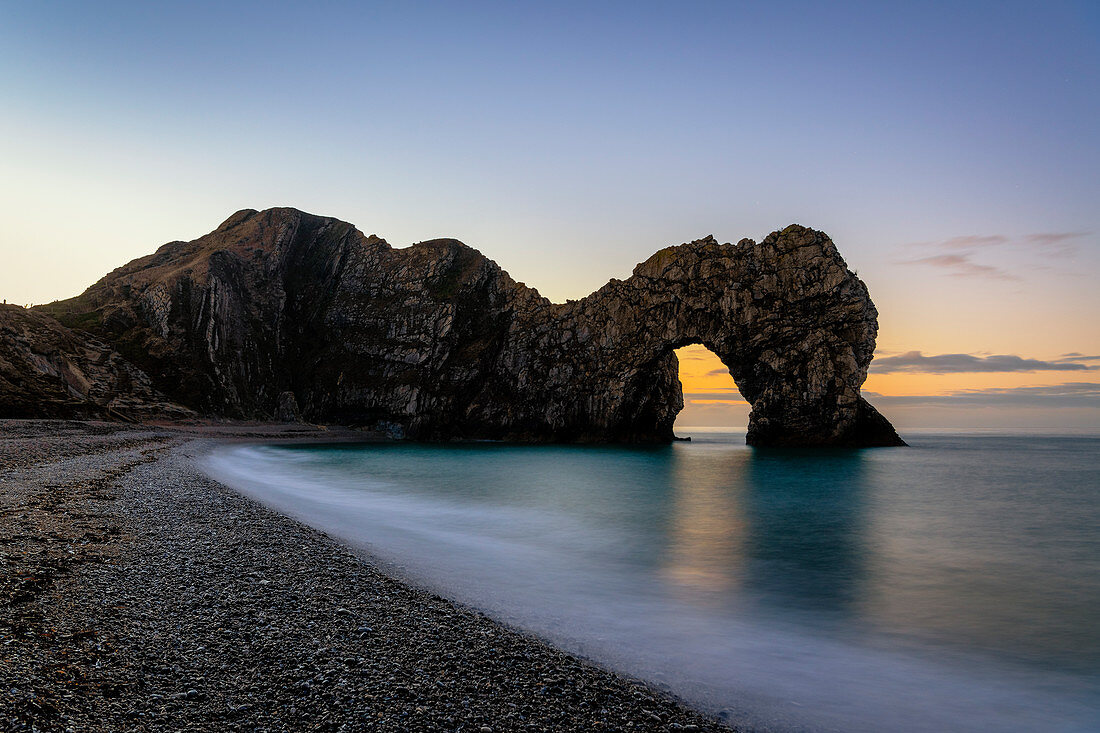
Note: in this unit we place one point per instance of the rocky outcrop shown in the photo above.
(47, 370)
(279, 312)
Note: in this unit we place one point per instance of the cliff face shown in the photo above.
(280, 313)
(47, 370)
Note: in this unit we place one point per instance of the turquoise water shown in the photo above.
(953, 585)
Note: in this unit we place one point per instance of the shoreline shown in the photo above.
(141, 595)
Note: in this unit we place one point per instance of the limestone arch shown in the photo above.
(792, 325)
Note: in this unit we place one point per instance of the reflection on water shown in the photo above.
(707, 528)
(806, 513)
(951, 586)
(787, 526)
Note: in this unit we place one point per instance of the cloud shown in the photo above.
(1055, 244)
(960, 265)
(1038, 240)
(1077, 356)
(1045, 238)
(915, 361)
(970, 242)
(723, 372)
(723, 395)
(955, 254)
(1071, 394)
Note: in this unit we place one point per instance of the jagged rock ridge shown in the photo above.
(285, 313)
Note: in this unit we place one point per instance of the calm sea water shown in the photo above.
(953, 585)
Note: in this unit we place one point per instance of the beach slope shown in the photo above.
(137, 594)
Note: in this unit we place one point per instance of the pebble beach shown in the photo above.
(139, 595)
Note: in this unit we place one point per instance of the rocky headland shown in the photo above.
(282, 315)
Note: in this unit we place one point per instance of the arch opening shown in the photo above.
(712, 401)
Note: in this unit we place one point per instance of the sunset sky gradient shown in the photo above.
(950, 150)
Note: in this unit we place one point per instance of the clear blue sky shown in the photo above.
(568, 141)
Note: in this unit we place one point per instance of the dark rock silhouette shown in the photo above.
(279, 313)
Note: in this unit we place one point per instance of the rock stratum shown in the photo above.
(284, 315)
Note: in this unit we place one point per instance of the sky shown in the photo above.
(951, 150)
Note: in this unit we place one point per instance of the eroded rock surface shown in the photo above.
(48, 370)
(279, 312)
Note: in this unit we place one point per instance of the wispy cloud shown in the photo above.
(723, 372)
(1056, 244)
(960, 265)
(969, 242)
(723, 395)
(1038, 240)
(955, 255)
(1046, 238)
(1072, 394)
(915, 361)
(1077, 356)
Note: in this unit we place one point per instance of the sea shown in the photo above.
(953, 585)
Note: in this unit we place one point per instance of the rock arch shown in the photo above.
(793, 325)
(436, 342)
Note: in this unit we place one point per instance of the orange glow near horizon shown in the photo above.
(701, 372)
(904, 384)
(710, 394)
(711, 398)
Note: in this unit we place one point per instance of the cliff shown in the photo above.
(47, 370)
(281, 313)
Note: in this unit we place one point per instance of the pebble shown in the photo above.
(193, 637)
